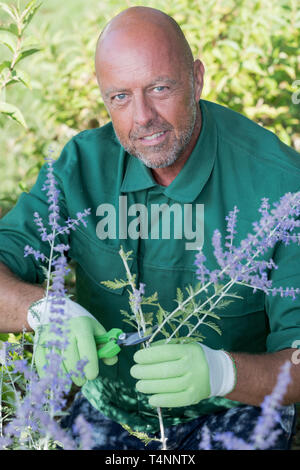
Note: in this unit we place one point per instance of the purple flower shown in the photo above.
(71, 222)
(231, 442)
(241, 263)
(28, 250)
(231, 223)
(85, 431)
(136, 298)
(53, 196)
(39, 222)
(263, 435)
(53, 210)
(205, 443)
(202, 271)
(46, 396)
(218, 251)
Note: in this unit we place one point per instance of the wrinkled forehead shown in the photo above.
(132, 52)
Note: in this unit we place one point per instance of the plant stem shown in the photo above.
(163, 439)
(46, 293)
(14, 59)
(162, 430)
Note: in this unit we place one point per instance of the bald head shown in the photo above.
(140, 22)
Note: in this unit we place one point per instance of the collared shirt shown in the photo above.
(235, 162)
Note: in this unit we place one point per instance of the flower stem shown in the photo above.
(141, 320)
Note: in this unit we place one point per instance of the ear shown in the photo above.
(198, 78)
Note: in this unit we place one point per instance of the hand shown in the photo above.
(180, 375)
(81, 330)
(175, 374)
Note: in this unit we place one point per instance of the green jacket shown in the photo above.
(235, 162)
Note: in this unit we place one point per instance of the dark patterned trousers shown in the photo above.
(109, 435)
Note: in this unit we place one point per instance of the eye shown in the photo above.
(119, 97)
(160, 88)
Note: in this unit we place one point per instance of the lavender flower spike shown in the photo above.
(205, 443)
(231, 223)
(85, 431)
(137, 297)
(262, 436)
(202, 271)
(28, 250)
(52, 193)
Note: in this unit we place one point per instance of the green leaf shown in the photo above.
(209, 313)
(179, 296)
(235, 296)
(131, 323)
(213, 326)
(159, 315)
(253, 67)
(148, 317)
(218, 287)
(125, 255)
(26, 53)
(10, 28)
(13, 112)
(9, 10)
(8, 395)
(151, 299)
(8, 41)
(140, 435)
(4, 65)
(23, 186)
(29, 12)
(125, 313)
(116, 284)
(20, 76)
(227, 42)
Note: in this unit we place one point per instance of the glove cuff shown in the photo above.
(39, 312)
(222, 371)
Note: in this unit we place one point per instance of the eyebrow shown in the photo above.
(160, 79)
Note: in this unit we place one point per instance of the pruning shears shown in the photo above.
(115, 338)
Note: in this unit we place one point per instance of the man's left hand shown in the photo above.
(174, 374)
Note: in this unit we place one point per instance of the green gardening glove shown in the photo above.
(182, 374)
(81, 329)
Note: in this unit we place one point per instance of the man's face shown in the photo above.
(150, 97)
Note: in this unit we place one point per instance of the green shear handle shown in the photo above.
(114, 338)
(109, 339)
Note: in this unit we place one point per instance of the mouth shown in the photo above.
(153, 139)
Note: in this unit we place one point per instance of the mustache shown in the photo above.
(148, 130)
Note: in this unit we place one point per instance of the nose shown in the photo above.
(143, 110)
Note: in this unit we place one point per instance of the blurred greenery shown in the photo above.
(250, 51)
(12, 36)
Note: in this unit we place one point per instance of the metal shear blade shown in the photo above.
(130, 339)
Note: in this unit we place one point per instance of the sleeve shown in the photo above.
(18, 229)
(284, 312)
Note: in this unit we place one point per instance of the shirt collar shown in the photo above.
(190, 181)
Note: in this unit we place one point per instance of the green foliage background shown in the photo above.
(250, 51)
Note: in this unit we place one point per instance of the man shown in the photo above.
(164, 146)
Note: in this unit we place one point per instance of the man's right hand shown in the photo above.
(80, 329)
